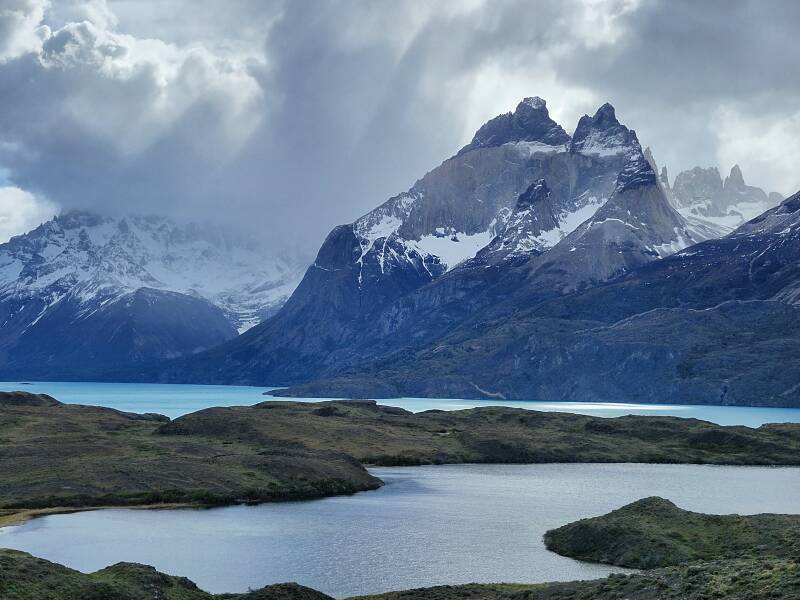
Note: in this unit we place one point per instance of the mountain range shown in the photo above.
(85, 292)
(716, 323)
(474, 282)
(702, 197)
(532, 264)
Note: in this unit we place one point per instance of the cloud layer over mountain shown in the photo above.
(293, 116)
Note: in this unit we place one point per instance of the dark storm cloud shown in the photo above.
(292, 117)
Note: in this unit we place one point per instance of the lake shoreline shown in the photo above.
(15, 518)
(175, 400)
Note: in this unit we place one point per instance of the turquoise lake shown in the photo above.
(174, 400)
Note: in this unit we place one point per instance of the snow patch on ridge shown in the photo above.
(601, 143)
(675, 245)
(570, 221)
(528, 149)
(453, 248)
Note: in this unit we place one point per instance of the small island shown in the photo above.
(653, 532)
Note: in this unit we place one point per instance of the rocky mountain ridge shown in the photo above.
(703, 198)
(716, 323)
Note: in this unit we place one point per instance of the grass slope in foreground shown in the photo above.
(54, 455)
(23, 577)
(728, 579)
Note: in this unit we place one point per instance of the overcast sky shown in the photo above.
(294, 116)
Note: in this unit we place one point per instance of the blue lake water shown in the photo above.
(427, 526)
(174, 400)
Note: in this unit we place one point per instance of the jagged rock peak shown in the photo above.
(530, 122)
(702, 172)
(535, 102)
(648, 155)
(636, 173)
(606, 115)
(536, 192)
(603, 134)
(664, 177)
(697, 185)
(735, 178)
(735, 187)
(701, 196)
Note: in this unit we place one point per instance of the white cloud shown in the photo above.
(765, 146)
(128, 91)
(21, 29)
(497, 88)
(598, 23)
(21, 211)
(526, 59)
(307, 114)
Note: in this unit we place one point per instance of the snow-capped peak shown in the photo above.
(530, 122)
(86, 255)
(603, 135)
(535, 102)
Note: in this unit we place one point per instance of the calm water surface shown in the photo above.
(175, 400)
(427, 526)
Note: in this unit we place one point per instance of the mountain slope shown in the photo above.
(636, 226)
(72, 341)
(84, 292)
